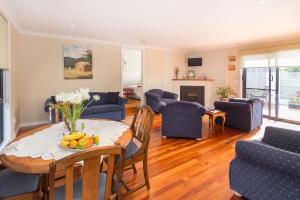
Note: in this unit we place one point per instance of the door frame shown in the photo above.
(134, 48)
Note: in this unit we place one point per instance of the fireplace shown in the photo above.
(192, 94)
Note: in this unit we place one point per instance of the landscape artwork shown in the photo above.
(78, 62)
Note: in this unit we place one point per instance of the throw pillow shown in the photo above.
(112, 98)
(53, 100)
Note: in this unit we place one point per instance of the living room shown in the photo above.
(211, 73)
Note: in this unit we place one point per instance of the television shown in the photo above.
(194, 62)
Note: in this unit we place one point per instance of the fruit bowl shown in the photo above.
(78, 141)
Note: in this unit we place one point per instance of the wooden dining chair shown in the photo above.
(137, 149)
(19, 186)
(92, 185)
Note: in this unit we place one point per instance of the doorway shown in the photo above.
(132, 76)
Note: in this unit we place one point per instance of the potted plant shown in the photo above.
(225, 92)
(73, 104)
(295, 101)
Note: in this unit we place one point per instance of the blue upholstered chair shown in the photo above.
(19, 185)
(156, 97)
(244, 114)
(268, 169)
(182, 119)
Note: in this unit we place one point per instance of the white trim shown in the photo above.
(28, 124)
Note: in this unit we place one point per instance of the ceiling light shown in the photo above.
(261, 2)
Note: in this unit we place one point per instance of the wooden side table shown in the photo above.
(212, 119)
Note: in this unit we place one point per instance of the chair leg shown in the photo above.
(145, 167)
(134, 169)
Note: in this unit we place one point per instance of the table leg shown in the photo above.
(213, 124)
(223, 122)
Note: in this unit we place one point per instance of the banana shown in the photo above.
(73, 136)
(64, 143)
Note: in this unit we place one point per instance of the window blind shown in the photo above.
(285, 58)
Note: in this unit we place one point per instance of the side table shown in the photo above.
(213, 114)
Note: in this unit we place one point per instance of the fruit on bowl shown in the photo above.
(79, 140)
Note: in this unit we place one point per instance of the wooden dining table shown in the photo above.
(38, 165)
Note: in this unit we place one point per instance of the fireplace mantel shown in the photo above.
(193, 79)
(207, 83)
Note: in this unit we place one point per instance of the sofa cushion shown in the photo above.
(112, 98)
(105, 108)
(88, 111)
(15, 183)
(102, 100)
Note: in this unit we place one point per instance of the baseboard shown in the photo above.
(28, 124)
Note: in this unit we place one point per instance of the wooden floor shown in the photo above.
(189, 169)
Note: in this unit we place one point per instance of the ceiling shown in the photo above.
(176, 24)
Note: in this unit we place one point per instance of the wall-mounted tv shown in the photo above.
(194, 62)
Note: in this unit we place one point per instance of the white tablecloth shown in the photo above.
(45, 143)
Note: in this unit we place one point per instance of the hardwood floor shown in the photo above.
(190, 169)
(187, 168)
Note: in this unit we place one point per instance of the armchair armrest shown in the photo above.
(153, 96)
(122, 101)
(200, 109)
(260, 154)
(237, 106)
(170, 95)
(282, 138)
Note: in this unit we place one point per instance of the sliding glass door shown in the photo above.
(260, 82)
(289, 93)
(274, 78)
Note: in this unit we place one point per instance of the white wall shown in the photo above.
(41, 73)
(215, 66)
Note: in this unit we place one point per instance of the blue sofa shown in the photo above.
(182, 119)
(156, 97)
(244, 114)
(268, 169)
(102, 109)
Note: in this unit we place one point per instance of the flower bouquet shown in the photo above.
(72, 105)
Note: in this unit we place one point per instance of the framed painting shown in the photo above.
(78, 62)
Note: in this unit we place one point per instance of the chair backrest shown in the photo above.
(141, 125)
(90, 174)
(157, 91)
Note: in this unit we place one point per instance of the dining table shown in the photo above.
(28, 159)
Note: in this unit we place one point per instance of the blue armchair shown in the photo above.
(182, 119)
(245, 114)
(270, 169)
(156, 97)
